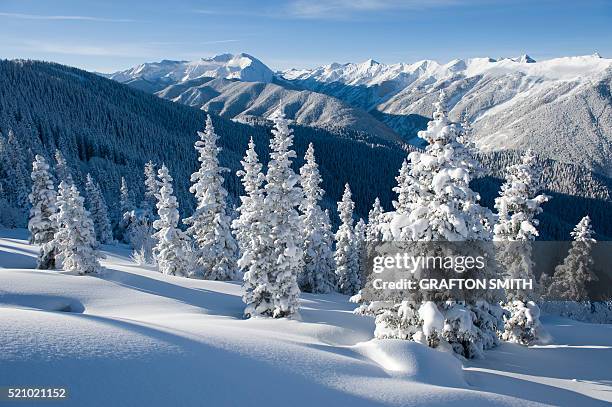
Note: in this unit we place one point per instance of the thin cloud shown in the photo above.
(109, 50)
(64, 18)
(218, 42)
(331, 9)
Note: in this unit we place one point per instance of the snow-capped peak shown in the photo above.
(524, 59)
(371, 73)
(240, 66)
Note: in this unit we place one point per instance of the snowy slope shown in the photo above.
(241, 66)
(241, 87)
(134, 337)
(253, 101)
(560, 107)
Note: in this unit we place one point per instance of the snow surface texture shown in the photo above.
(132, 336)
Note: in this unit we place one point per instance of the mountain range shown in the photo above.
(561, 108)
(110, 130)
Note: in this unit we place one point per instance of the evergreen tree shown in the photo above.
(42, 227)
(403, 189)
(151, 189)
(361, 250)
(9, 215)
(125, 199)
(75, 238)
(346, 257)
(216, 248)
(98, 211)
(439, 206)
(444, 207)
(570, 278)
(252, 232)
(12, 157)
(375, 220)
(318, 274)
(62, 170)
(246, 225)
(517, 207)
(273, 291)
(173, 251)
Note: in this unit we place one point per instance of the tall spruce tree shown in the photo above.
(246, 225)
(62, 170)
(98, 211)
(273, 291)
(440, 207)
(318, 274)
(151, 189)
(126, 204)
(75, 238)
(252, 232)
(346, 257)
(209, 226)
(569, 283)
(517, 206)
(17, 180)
(173, 249)
(361, 250)
(42, 225)
(375, 220)
(403, 189)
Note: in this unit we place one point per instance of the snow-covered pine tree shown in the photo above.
(375, 219)
(318, 274)
(42, 226)
(440, 207)
(361, 250)
(252, 233)
(173, 250)
(283, 196)
(245, 226)
(75, 238)
(9, 215)
(403, 189)
(126, 204)
(209, 226)
(12, 156)
(151, 189)
(62, 170)
(98, 211)
(570, 279)
(517, 206)
(273, 289)
(346, 257)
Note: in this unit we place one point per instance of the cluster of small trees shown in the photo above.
(281, 241)
(61, 225)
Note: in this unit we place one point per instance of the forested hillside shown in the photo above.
(111, 130)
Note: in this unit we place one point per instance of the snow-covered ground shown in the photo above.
(132, 336)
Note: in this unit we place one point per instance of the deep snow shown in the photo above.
(131, 336)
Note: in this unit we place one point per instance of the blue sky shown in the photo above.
(110, 35)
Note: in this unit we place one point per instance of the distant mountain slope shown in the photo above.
(111, 130)
(561, 108)
(246, 96)
(250, 102)
(241, 66)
